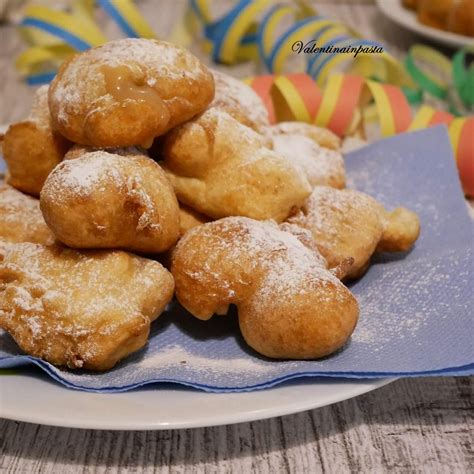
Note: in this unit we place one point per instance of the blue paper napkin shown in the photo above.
(416, 308)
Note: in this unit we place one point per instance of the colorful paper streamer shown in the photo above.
(234, 36)
(297, 97)
(374, 87)
(55, 35)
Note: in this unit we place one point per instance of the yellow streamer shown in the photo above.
(387, 124)
(292, 98)
(422, 118)
(454, 130)
(329, 101)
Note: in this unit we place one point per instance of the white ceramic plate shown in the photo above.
(30, 396)
(394, 10)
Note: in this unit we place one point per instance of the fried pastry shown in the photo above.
(321, 136)
(240, 101)
(401, 230)
(348, 223)
(456, 16)
(322, 166)
(103, 200)
(21, 219)
(289, 305)
(76, 151)
(82, 310)
(127, 92)
(32, 149)
(189, 218)
(221, 168)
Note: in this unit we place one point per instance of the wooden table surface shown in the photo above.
(411, 425)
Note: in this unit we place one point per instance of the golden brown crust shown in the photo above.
(351, 224)
(189, 218)
(322, 166)
(240, 101)
(103, 200)
(321, 136)
(32, 149)
(127, 92)
(461, 18)
(84, 309)
(76, 151)
(401, 230)
(221, 168)
(290, 306)
(451, 15)
(21, 219)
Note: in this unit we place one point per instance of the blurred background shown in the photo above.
(364, 16)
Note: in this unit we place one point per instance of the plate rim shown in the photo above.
(355, 387)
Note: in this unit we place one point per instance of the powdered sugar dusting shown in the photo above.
(229, 133)
(236, 134)
(288, 263)
(39, 113)
(225, 127)
(234, 94)
(410, 320)
(176, 356)
(82, 177)
(415, 308)
(11, 199)
(322, 166)
(68, 300)
(283, 264)
(82, 81)
(327, 206)
(21, 218)
(320, 136)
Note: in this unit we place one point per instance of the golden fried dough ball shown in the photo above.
(189, 218)
(76, 151)
(127, 92)
(322, 166)
(321, 136)
(80, 309)
(21, 219)
(102, 200)
(32, 149)
(401, 230)
(221, 168)
(289, 305)
(348, 223)
(240, 101)
(306, 238)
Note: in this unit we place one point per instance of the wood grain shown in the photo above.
(410, 426)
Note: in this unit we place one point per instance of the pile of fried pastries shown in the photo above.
(141, 175)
